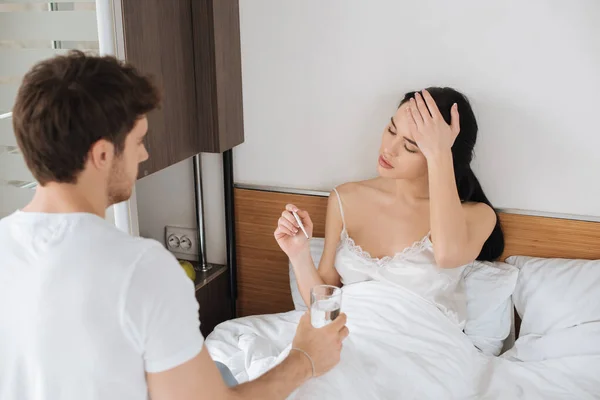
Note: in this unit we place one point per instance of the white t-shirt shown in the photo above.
(86, 310)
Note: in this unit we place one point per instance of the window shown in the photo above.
(31, 31)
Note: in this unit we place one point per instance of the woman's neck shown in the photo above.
(408, 190)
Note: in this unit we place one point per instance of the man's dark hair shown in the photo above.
(67, 103)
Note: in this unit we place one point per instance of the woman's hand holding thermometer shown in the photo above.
(294, 228)
(295, 214)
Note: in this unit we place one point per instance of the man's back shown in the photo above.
(87, 310)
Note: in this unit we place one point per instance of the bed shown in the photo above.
(402, 348)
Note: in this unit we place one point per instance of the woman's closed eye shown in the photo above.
(410, 147)
(409, 150)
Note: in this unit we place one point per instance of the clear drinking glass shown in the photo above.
(325, 304)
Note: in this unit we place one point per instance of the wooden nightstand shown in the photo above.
(214, 297)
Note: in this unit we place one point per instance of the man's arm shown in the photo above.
(196, 379)
(279, 382)
(199, 378)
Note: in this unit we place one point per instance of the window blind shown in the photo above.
(30, 31)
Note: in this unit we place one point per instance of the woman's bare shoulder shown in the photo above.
(358, 188)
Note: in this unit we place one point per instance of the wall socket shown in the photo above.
(182, 242)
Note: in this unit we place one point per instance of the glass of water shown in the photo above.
(325, 304)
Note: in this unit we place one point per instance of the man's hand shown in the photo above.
(199, 378)
(323, 345)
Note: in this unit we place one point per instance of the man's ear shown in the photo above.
(101, 154)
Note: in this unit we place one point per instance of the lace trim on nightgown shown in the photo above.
(415, 248)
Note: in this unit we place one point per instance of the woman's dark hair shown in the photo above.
(469, 188)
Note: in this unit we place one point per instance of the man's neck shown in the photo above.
(57, 198)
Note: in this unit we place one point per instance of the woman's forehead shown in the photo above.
(401, 121)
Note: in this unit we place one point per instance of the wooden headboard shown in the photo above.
(262, 268)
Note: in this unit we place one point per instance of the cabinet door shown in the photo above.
(215, 303)
(218, 63)
(158, 38)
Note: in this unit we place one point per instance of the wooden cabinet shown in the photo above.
(192, 48)
(214, 298)
(218, 64)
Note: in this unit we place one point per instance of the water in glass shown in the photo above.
(326, 302)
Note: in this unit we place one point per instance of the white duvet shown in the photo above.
(402, 347)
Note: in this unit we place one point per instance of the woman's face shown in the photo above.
(399, 156)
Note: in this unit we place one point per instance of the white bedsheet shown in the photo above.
(402, 347)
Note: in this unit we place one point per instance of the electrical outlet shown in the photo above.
(182, 242)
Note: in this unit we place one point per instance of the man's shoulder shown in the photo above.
(6, 220)
(128, 248)
(104, 230)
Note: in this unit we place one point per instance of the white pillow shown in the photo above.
(316, 250)
(488, 288)
(553, 294)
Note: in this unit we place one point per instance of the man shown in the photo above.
(86, 311)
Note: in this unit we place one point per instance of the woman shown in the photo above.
(425, 189)
(397, 244)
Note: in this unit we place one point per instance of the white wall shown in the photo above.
(321, 79)
(167, 198)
